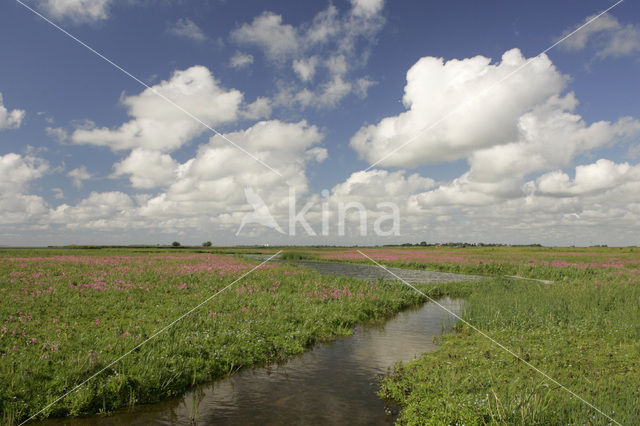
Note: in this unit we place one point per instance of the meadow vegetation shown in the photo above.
(65, 315)
(583, 330)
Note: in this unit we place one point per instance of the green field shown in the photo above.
(67, 314)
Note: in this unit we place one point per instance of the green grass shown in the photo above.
(583, 330)
(66, 318)
(298, 255)
(585, 335)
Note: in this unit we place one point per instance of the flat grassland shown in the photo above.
(583, 330)
(66, 314)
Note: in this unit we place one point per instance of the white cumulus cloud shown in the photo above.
(589, 179)
(212, 183)
(157, 124)
(267, 31)
(77, 10)
(457, 107)
(147, 169)
(10, 119)
(16, 173)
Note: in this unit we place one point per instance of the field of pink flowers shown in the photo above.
(532, 262)
(66, 315)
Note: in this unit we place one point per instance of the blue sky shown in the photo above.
(549, 155)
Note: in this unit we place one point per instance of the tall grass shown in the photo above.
(584, 334)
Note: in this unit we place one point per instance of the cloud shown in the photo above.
(464, 191)
(22, 210)
(209, 193)
(609, 37)
(324, 54)
(10, 119)
(147, 169)
(374, 186)
(550, 137)
(58, 133)
(305, 68)
(58, 193)
(16, 173)
(624, 42)
(362, 86)
(212, 183)
(463, 107)
(590, 179)
(186, 28)
(367, 7)
(241, 60)
(79, 11)
(159, 125)
(267, 32)
(260, 108)
(78, 176)
(206, 190)
(517, 140)
(107, 210)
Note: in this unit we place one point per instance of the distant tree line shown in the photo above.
(461, 245)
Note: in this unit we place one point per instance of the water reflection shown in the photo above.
(333, 383)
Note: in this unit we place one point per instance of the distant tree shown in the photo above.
(423, 243)
(175, 244)
(206, 244)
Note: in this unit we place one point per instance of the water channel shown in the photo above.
(332, 383)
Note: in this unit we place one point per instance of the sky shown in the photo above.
(346, 122)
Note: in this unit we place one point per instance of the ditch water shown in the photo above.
(332, 383)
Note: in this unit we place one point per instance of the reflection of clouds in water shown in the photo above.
(404, 337)
(333, 380)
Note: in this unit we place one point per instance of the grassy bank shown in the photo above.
(67, 315)
(583, 333)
